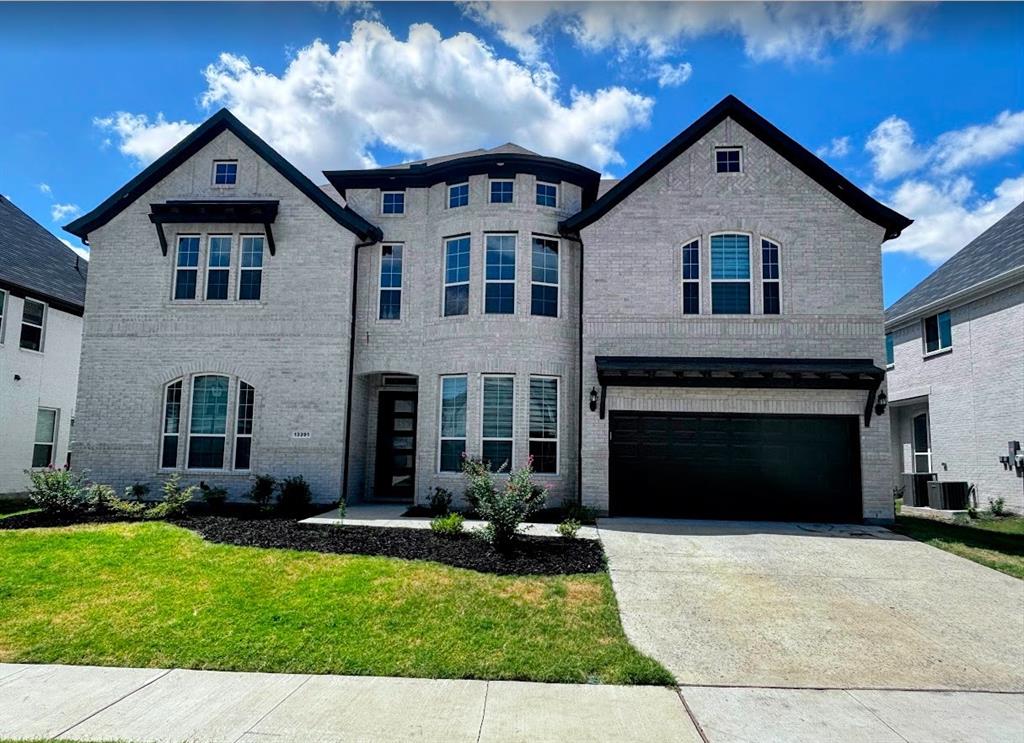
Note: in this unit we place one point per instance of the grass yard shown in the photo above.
(153, 594)
(995, 542)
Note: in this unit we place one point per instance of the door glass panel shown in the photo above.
(401, 481)
(403, 424)
(402, 442)
(403, 461)
(405, 406)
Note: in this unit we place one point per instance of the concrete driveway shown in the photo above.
(813, 606)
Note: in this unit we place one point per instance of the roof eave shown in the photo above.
(957, 298)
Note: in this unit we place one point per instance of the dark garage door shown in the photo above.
(735, 467)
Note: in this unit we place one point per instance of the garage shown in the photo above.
(764, 467)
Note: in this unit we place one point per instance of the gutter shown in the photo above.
(579, 376)
(988, 286)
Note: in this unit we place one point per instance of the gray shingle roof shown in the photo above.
(995, 251)
(35, 262)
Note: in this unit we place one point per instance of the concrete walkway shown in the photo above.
(386, 514)
(135, 704)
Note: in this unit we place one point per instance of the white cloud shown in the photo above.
(839, 147)
(671, 76)
(893, 151)
(60, 212)
(948, 215)
(421, 96)
(142, 140)
(783, 31)
(81, 251)
(44, 188)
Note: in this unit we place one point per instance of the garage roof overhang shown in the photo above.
(814, 374)
(225, 211)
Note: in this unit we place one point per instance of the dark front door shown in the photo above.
(683, 465)
(396, 446)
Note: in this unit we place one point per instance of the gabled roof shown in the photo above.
(997, 252)
(34, 262)
(733, 108)
(190, 145)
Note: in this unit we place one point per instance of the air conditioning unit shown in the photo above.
(948, 495)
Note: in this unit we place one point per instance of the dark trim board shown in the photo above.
(733, 108)
(54, 302)
(225, 211)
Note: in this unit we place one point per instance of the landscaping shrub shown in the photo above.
(506, 509)
(568, 528)
(262, 490)
(294, 494)
(997, 507)
(214, 497)
(441, 502)
(479, 479)
(174, 499)
(59, 491)
(449, 525)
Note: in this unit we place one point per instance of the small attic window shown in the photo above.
(225, 172)
(728, 160)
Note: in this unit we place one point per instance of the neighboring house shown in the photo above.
(955, 345)
(702, 338)
(42, 294)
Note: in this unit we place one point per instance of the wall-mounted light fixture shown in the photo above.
(881, 403)
(593, 399)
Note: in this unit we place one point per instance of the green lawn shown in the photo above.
(153, 594)
(995, 542)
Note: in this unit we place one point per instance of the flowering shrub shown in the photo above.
(505, 509)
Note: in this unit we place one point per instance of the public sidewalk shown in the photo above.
(136, 704)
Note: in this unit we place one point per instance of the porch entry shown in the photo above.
(396, 446)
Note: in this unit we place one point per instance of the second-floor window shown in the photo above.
(500, 279)
(544, 278)
(225, 172)
(3, 307)
(390, 282)
(691, 278)
(890, 351)
(770, 281)
(456, 276)
(730, 274)
(187, 271)
(938, 333)
(33, 323)
(502, 191)
(728, 160)
(498, 412)
(218, 266)
(547, 194)
(458, 195)
(250, 275)
(392, 202)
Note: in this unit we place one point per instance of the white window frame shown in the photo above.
(558, 194)
(890, 340)
(391, 214)
(5, 304)
(913, 445)
(728, 149)
(53, 434)
(558, 286)
(558, 424)
(444, 275)
(684, 281)
(209, 255)
(213, 174)
(483, 439)
(440, 422)
(238, 420)
(512, 281)
(163, 424)
(448, 192)
(490, 192)
(42, 327)
(750, 277)
(243, 268)
(380, 285)
(777, 281)
(200, 288)
(925, 353)
(229, 414)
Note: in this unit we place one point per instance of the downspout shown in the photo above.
(579, 374)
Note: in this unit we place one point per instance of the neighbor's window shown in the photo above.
(453, 423)
(728, 160)
(730, 275)
(33, 320)
(458, 195)
(456, 276)
(500, 278)
(547, 194)
(390, 282)
(187, 267)
(497, 422)
(250, 276)
(938, 333)
(218, 266)
(544, 278)
(46, 435)
(3, 306)
(392, 202)
(890, 351)
(691, 278)
(502, 191)
(544, 424)
(770, 282)
(172, 425)
(208, 422)
(243, 425)
(225, 172)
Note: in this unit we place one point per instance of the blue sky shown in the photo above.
(922, 104)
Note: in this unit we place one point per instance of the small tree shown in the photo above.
(505, 509)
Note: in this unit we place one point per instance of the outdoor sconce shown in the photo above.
(593, 399)
(881, 403)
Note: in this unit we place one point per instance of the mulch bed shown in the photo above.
(531, 556)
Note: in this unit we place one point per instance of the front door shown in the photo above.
(396, 446)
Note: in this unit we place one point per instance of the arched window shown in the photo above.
(200, 406)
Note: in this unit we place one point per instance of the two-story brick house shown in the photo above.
(702, 338)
